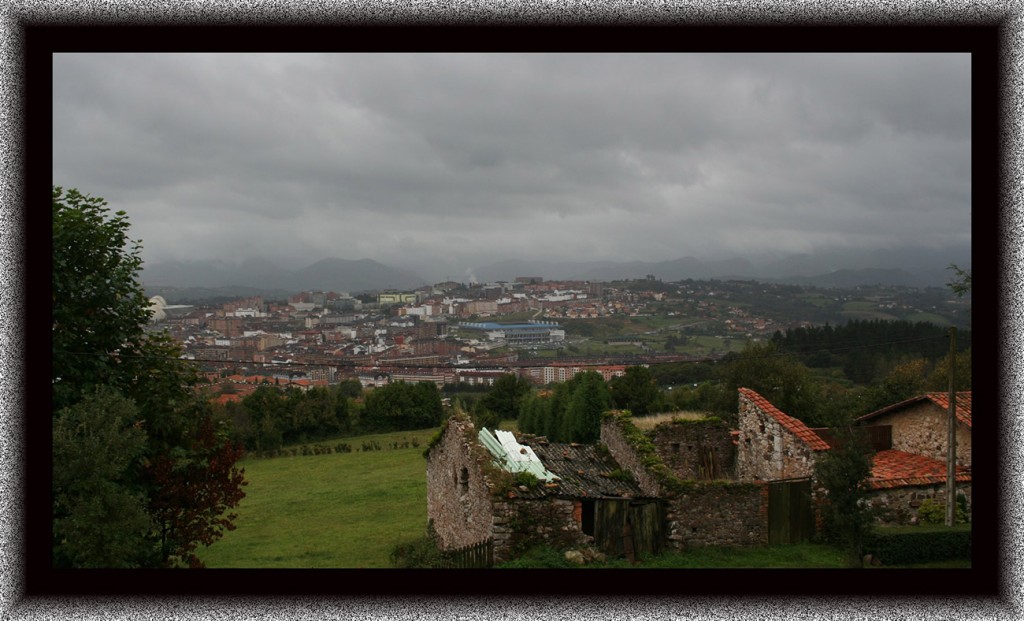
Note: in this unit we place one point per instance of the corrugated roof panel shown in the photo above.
(510, 455)
(584, 472)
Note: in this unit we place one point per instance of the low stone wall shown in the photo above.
(522, 523)
(899, 506)
(718, 513)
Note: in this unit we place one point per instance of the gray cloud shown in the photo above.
(460, 160)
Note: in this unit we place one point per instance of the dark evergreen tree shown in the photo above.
(590, 399)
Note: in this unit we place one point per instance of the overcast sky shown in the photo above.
(445, 162)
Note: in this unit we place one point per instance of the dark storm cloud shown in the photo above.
(475, 158)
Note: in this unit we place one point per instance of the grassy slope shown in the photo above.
(338, 510)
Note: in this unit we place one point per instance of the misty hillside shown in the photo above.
(330, 274)
(914, 268)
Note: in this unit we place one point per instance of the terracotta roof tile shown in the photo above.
(894, 468)
(793, 425)
(963, 404)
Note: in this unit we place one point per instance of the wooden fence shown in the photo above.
(475, 556)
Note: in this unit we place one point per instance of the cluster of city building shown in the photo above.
(437, 333)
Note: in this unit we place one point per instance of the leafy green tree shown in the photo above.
(266, 408)
(842, 472)
(400, 406)
(483, 418)
(777, 376)
(99, 341)
(637, 391)
(350, 389)
(100, 507)
(530, 413)
(98, 306)
(961, 283)
(904, 380)
(938, 379)
(555, 426)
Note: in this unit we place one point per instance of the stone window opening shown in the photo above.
(464, 481)
(675, 447)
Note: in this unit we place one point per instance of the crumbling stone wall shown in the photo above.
(613, 437)
(698, 513)
(521, 523)
(697, 450)
(459, 501)
(718, 514)
(899, 506)
(768, 451)
(923, 429)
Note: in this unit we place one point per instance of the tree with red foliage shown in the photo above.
(193, 492)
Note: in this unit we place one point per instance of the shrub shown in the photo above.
(526, 479)
(899, 547)
(421, 553)
(934, 512)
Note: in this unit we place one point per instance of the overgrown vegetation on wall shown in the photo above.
(640, 442)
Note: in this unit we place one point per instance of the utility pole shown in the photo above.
(951, 442)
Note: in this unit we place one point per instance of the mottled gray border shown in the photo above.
(765, 12)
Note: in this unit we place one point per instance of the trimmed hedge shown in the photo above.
(899, 547)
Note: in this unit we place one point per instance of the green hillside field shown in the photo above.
(337, 510)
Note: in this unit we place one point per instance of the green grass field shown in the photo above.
(340, 510)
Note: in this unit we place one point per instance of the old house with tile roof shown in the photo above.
(912, 468)
(909, 444)
(921, 425)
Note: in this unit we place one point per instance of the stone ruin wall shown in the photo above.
(721, 513)
(624, 454)
(696, 450)
(459, 500)
(767, 450)
(521, 523)
(892, 507)
(718, 515)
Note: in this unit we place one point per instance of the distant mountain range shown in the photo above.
(262, 276)
(912, 268)
(834, 269)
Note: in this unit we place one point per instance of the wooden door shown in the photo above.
(790, 516)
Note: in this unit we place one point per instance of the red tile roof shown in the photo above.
(941, 399)
(963, 404)
(794, 426)
(223, 399)
(894, 468)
